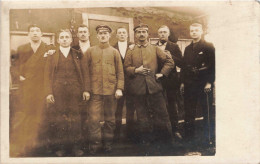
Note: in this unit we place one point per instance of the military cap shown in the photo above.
(103, 27)
(141, 25)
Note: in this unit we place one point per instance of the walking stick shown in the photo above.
(208, 119)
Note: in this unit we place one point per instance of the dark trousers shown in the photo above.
(194, 94)
(64, 116)
(96, 104)
(172, 108)
(160, 118)
(129, 115)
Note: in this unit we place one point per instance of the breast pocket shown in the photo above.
(110, 66)
(96, 66)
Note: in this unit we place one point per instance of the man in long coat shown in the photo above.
(198, 76)
(28, 119)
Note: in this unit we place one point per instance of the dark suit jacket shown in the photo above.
(172, 82)
(116, 47)
(51, 67)
(149, 56)
(202, 56)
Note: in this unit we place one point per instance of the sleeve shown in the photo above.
(119, 71)
(166, 63)
(210, 71)
(182, 72)
(85, 62)
(128, 64)
(48, 75)
(177, 56)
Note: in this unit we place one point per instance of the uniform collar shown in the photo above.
(142, 45)
(104, 45)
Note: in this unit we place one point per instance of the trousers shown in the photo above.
(96, 105)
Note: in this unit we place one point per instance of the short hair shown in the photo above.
(31, 26)
(164, 26)
(64, 30)
(120, 28)
(196, 25)
(83, 26)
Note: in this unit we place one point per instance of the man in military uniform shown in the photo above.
(107, 83)
(64, 86)
(141, 65)
(171, 84)
(198, 76)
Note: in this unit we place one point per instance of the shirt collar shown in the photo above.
(84, 43)
(140, 45)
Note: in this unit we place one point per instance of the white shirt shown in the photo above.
(65, 51)
(84, 46)
(162, 46)
(35, 46)
(122, 46)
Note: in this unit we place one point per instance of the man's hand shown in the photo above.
(158, 76)
(22, 78)
(141, 70)
(131, 46)
(118, 93)
(182, 89)
(86, 96)
(207, 88)
(50, 99)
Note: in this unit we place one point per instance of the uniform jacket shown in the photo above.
(172, 80)
(202, 57)
(149, 56)
(51, 67)
(105, 69)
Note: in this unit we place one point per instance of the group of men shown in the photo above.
(140, 75)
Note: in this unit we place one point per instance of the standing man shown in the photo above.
(198, 76)
(141, 66)
(28, 120)
(83, 36)
(171, 84)
(107, 83)
(64, 86)
(122, 46)
(83, 45)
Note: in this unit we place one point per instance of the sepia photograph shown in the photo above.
(122, 80)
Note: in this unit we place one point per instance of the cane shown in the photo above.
(208, 119)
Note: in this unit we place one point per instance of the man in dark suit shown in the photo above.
(83, 45)
(83, 36)
(141, 65)
(197, 76)
(122, 46)
(171, 84)
(28, 120)
(64, 86)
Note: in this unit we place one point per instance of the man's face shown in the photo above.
(64, 39)
(83, 33)
(35, 34)
(163, 33)
(121, 34)
(103, 36)
(141, 35)
(195, 32)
